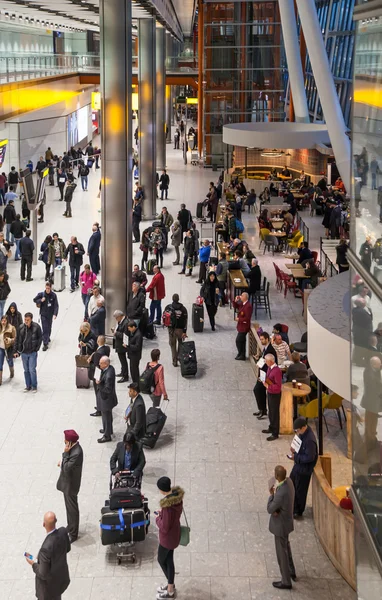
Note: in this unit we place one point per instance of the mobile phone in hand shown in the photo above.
(290, 456)
(156, 512)
(27, 555)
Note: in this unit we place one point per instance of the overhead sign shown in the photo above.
(96, 100)
(191, 101)
(3, 147)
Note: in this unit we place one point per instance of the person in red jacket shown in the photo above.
(244, 309)
(157, 292)
(168, 523)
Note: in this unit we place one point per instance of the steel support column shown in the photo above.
(169, 111)
(116, 78)
(160, 55)
(147, 114)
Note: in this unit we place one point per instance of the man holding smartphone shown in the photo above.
(69, 481)
(272, 383)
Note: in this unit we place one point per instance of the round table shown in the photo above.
(288, 392)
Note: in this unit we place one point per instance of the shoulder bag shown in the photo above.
(184, 533)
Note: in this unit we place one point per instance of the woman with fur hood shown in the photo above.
(168, 523)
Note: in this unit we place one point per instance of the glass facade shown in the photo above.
(336, 20)
(244, 69)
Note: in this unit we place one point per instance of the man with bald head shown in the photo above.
(51, 567)
(107, 398)
(244, 314)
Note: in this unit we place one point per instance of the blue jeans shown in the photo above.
(2, 194)
(8, 235)
(84, 182)
(85, 300)
(74, 276)
(156, 305)
(17, 252)
(30, 364)
(3, 356)
(374, 181)
(2, 304)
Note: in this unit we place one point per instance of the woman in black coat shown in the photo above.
(87, 340)
(210, 294)
(135, 460)
(45, 255)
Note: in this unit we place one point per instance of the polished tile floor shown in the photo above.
(212, 446)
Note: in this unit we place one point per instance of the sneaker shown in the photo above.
(164, 595)
(34, 390)
(163, 588)
(27, 389)
(45, 347)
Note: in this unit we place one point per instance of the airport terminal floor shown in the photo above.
(212, 446)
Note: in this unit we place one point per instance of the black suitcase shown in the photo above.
(199, 210)
(187, 358)
(150, 332)
(123, 525)
(150, 266)
(155, 421)
(197, 318)
(125, 497)
(143, 323)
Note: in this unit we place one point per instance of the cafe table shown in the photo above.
(297, 271)
(237, 284)
(288, 393)
(293, 257)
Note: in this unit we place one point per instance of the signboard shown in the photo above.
(191, 101)
(29, 190)
(3, 147)
(96, 100)
(41, 183)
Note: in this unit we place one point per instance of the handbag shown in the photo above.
(184, 533)
(40, 256)
(82, 360)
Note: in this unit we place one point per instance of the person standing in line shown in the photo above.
(135, 415)
(189, 250)
(87, 281)
(304, 462)
(107, 398)
(137, 218)
(98, 318)
(134, 349)
(259, 390)
(26, 246)
(70, 187)
(164, 183)
(244, 308)
(94, 297)
(61, 179)
(13, 178)
(93, 360)
(272, 383)
(9, 215)
(280, 509)
(93, 248)
(176, 240)
(29, 339)
(18, 228)
(160, 387)
(119, 346)
(84, 174)
(69, 481)
(204, 257)
(156, 291)
(75, 250)
(168, 523)
(51, 568)
(47, 302)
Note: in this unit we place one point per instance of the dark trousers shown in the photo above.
(124, 367)
(274, 413)
(26, 263)
(68, 209)
(212, 310)
(175, 339)
(222, 288)
(136, 233)
(159, 257)
(46, 325)
(301, 485)
(134, 368)
(163, 192)
(202, 271)
(241, 340)
(285, 559)
(261, 396)
(74, 276)
(107, 423)
(61, 187)
(47, 271)
(72, 514)
(166, 561)
(94, 262)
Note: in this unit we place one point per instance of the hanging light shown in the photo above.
(272, 153)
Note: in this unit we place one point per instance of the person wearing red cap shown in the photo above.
(69, 481)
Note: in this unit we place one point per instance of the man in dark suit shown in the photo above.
(244, 310)
(136, 412)
(280, 507)
(51, 567)
(128, 456)
(98, 318)
(259, 389)
(93, 360)
(304, 462)
(254, 277)
(69, 481)
(107, 398)
(134, 349)
(119, 347)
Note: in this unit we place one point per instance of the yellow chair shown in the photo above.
(296, 241)
(335, 403)
(263, 233)
(310, 410)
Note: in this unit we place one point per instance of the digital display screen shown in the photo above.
(29, 190)
(3, 147)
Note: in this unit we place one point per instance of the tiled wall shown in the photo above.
(311, 161)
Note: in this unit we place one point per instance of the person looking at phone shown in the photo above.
(128, 456)
(272, 383)
(51, 568)
(304, 462)
(69, 481)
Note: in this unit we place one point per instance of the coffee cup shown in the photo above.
(299, 385)
(294, 382)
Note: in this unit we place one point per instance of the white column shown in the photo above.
(325, 86)
(292, 50)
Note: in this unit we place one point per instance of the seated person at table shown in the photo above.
(251, 200)
(265, 195)
(304, 254)
(254, 277)
(236, 244)
(241, 189)
(340, 185)
(247, 253)
(285, 172)
(311, 271)
(288, 217)
(281, 348)
(278, 328)
(322, 184)
(297, 370)
(292, 207)
(264, 218)
(128, 456)
(243, 263)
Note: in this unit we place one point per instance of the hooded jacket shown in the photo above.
(15, 318)
(5, 289)
(168, 521)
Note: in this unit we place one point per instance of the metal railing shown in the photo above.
(302, 227)
(18, 66)
(327, 252)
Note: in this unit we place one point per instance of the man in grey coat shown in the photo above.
(69, 481)
(280, 507)
(107, 398)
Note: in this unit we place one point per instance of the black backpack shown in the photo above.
(147, 379)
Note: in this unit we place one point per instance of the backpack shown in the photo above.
(169, 317)
(147, 379)
(239, 226)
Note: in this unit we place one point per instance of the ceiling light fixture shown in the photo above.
(272, 153)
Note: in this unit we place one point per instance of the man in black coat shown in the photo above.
(51, 567)
(98, 318)
(259, 390)
(9, 216)
(70, 187)
(137, 218)
(362, 328)
(136, 300)
(29, 338)
(134, 349)
(107, 398)
(254, 277)
(93, 360)
(128, 456)
(119, 347)
(18, 228)
(26, 247)
(136, 412)
(304, 462)
(93, 248)
(184, 218)
(69, 481)
(47, 301)
(75, 251)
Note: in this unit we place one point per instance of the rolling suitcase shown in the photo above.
(59, 278)
(199, 210)
(124, 497)
(187, 358)
(150, 266)
(155, 421)
(197, 318)
(124, 525)
(82, 372)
